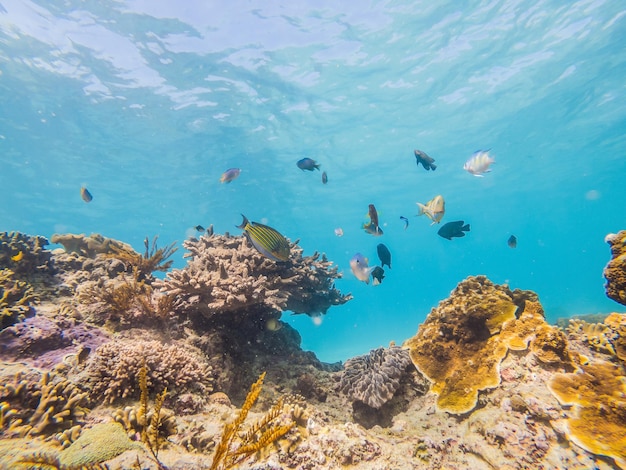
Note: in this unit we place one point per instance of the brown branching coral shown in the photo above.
(30, 409)
(114, 369)
(16, 298)
(260, 435)
(615, 270)
(153, 259)
(224, 274)
(24, 254)
(373, 378)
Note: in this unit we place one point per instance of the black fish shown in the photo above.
(427, 162)
(378, 274)
(324, 178)
(406, 222)
(454, 229)
(512, 241)
(199, 228)
(384, 255)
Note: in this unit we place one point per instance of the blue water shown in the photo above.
(148, 102)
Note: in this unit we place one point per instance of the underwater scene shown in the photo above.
(312, 235)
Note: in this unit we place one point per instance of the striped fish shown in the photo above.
(266, 240)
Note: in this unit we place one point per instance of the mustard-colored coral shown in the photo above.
(16, 298)
(597, 422)
(617, 323)
(615, 270)
(458, 347)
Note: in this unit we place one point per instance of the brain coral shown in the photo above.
(598, 395)
(463, 340)
(225, 274)
(615, 270)
(114, 369)
(373, 378)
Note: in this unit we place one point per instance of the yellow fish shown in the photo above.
(17, 257)
(434, 209)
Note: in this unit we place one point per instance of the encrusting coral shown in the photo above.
(114, 369)
(597, 422)
(463, 340)
(615, 270)
(224, 274)
(374, 377)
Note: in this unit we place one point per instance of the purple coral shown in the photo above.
(373, 378)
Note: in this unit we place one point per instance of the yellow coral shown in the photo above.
(617, 323)
(598, 421)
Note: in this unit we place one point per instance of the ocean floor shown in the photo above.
(105, 366)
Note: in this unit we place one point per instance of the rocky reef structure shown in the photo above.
(615, 270)
(226, 276)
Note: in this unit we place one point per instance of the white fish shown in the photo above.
(360, 269)
(479, 163)
(434, 209)
(339, 232)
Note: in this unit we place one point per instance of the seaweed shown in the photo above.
(153, 259)
(260, 435)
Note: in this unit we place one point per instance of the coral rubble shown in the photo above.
(615, 270)
(224, 275)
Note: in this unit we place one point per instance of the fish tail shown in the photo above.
(421, 208)
(244, 223)
(466, 228)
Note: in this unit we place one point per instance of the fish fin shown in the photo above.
(244, 223)
(433, 166)
(375, 282)
(421, 208)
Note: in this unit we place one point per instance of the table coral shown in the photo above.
(224, 274)
(90, 246)
(459, 347)
(615, 270)
(114, 369)
(597, 422)
(374, 377)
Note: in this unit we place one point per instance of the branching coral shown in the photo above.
(597, 335)
(16, 298)
(114, 369)
(24, 254)
(373, 378)
(32, 409)
(462, 342)
(615, 270)
(224, 275)
(617, 323)
(598, 421)
(153, 259)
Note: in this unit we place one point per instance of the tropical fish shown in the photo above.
(273, 324)
(406, 222)
(324, 177)
(479, 163)
(434, 209)
(360, 269)
(266, 240)
(373, 227)
(199, 228)
(454, 229)
(427, 162)
(17, 257)
(384, 255)
(229, 175)
(339, 232)
(512, 241)
(378, 274)
(85, 194)
(308, 164)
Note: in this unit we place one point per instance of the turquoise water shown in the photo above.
(148, 102)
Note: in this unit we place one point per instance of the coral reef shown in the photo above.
(373, 378)
(597, 422)
(114, 368)
(90, 246)
(16, 299)
(224, 275)
(615, 270)
(24, 254)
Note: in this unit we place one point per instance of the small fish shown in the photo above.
(324, 177)
(378, 274)
(339, 232)
(512, 241)
(85, 194)
(199, 228)
(360, 269)
(229, 175)
(373, 227)
(272, 324)
(434, 209)
(454, 229)
(478, 163)
(406, 222)
(17, 257)
(308, 164)
(384, 255)
(427, 162)
(266, 240)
